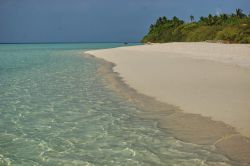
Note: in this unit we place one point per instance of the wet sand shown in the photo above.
(200, 95)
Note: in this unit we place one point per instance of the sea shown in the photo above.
(56, 110)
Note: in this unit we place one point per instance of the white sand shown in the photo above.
(202, 78)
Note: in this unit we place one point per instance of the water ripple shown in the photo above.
(55, 110)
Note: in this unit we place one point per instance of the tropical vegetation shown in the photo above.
(228, 28)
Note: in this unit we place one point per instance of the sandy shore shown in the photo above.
(212, 80)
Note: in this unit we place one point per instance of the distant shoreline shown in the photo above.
(64, 42)
(139, 65)
(226, 27)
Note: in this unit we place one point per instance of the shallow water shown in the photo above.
(56, 110)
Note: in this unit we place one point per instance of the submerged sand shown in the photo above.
(209, 82)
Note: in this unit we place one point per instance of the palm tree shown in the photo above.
(151, 27)
(202, 19)
(159, 21)
(164, 19)
(239, 13)
(175, 19)
(210, 19)
(216, 20)
(224, 16)
(192, 18)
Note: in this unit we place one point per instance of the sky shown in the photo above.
(27, 21)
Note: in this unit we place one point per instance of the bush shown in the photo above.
(239, 33)
(203, 33)
(228, 34)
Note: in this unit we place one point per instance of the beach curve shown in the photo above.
(185, 82)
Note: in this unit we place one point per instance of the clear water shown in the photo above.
(55, 110)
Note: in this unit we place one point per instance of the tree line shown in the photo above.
(228, 28)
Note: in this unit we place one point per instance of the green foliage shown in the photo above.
(227, 27)
(239, 33)
(203, 33)
(227, 34)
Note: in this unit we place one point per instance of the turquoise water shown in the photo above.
(55, 110)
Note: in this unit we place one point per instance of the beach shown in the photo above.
(209, 83)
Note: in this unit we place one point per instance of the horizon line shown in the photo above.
(64, 42)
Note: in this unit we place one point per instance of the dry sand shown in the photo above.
(204, 80)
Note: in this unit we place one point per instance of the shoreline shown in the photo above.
(181, 124)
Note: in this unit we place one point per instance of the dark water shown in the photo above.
(56, 110)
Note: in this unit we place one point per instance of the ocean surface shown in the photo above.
(56, 110)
